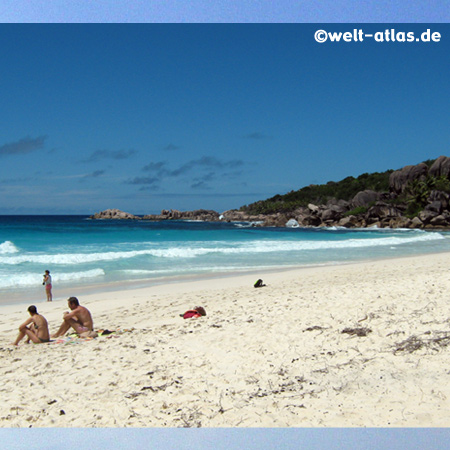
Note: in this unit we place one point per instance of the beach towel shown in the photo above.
(198, 311)
(192, 313)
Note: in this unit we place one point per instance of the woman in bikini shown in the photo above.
(48, 285)
(35, 328)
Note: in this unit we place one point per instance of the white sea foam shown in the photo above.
(8, 247)
(192, 250)
(247, 224)
(35, 279)
(74, 276)
(70, 258)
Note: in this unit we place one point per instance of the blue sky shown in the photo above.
(220, 11)
(151, 117)
(227, 439)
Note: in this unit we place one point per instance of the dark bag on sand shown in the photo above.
(259, 283)
(200, 310)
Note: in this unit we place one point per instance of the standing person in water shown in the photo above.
(38, 329)
(79, 318)
(48, 285)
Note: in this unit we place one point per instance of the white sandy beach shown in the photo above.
(270, 357)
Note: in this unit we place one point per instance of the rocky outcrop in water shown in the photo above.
(173, 214)
(114, 214)
(368, 208)
(389, 209)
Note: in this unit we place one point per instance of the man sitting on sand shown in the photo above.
(79, 319)
(38, 329)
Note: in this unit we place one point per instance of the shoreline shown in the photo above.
(276, 356)
(23, 295)
(63, 292)
(188, 283)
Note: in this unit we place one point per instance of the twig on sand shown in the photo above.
(191, 419)
(357, 331)
(414, 343)
(314, 328)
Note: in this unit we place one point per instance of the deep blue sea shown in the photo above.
(92, 254)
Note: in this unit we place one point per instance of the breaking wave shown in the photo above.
(34, 279)
(8, 247)
(192, 250)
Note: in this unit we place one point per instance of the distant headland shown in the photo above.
(416, 196)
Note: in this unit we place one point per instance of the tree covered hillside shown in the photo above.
(345, 189)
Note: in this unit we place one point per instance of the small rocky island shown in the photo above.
(418, 196)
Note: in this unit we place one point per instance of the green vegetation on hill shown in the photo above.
(418, 191)
(345, 189)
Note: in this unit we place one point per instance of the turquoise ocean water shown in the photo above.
(93, 254)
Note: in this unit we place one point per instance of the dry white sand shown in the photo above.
(270, 357)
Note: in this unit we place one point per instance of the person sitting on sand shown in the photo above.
(79, 319)
(38, 329)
